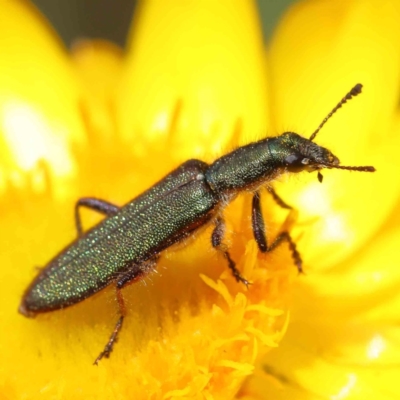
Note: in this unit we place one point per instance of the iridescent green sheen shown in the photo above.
(169, 210)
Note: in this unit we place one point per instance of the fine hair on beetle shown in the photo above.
(126, 245)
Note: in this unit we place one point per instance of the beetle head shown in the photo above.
(301, 154)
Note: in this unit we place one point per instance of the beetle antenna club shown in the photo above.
(353, 92)
(334, 163)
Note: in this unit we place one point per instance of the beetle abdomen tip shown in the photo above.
(23, 309)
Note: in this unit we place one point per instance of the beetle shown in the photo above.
(125, 246)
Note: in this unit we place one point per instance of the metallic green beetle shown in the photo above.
(124, 247)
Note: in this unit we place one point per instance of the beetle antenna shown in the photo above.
(353, 92)
(361, 169)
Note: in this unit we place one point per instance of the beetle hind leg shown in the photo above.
(216, 240)
(101, 206)
(260, 237)
(134, 273)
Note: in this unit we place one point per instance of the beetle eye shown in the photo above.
(292, 160)
(297, 162)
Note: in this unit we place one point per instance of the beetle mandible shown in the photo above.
(125, 246)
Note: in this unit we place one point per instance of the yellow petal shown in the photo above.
(191, 329)
(99, 64)
(195, 76)
(320, 51)
(343, 340)
(39, 98)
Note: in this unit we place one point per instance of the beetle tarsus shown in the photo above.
(110, 344)
(292, 246)
(216, 240)
(260, 237)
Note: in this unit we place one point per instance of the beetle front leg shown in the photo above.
(102, 206)
(133, 274)
(278, 199)
(216, 240)
(260, 237)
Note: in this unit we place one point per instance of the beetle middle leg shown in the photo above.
(102, 206)
(133, 274)
(216, 240)
(260, 237)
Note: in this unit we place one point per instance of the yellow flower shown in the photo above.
(191, 329)
(194, 84)
(343, 337)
